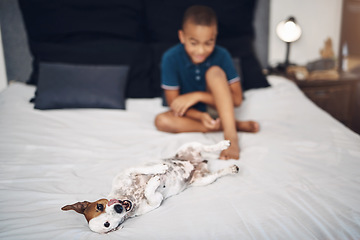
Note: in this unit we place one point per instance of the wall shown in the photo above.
(16, 50)
(319, 19)
(3, 79)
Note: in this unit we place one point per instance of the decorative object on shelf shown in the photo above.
(331, 74)
(288, 31)
(321, 64)
(303, 73)
(327, 58)
(323, 68)
(345, 55)
(297, 72)
(327, 52)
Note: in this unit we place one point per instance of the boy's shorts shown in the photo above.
(212, 112)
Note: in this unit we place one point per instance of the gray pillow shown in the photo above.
(63, 85)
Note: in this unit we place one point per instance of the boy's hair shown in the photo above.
(200, 15)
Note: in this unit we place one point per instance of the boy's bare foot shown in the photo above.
(247, 126)
(233, 152)
(216, 125)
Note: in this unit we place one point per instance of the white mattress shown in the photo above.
(299, 178)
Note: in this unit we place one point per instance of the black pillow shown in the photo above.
(140, 82)
(250, 68)
(164, 18)
(251, 73)
(90, 32)
(80, 86)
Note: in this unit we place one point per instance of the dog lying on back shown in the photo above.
(139, 190)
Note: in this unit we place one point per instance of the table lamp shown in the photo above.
(288, 31)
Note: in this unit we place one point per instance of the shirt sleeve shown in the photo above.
(227, 64)
(169, 76)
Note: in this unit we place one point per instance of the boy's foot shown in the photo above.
(247, 126)
(233, 152)
(214, 125)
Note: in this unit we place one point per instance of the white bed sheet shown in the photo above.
(299, 176)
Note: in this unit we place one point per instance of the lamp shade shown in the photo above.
(288, 30)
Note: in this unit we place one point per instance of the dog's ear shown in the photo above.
(127, 204)
(79, 207)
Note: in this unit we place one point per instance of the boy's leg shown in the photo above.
(219, 87)
(241, 126)
(167, 122)
(247, 126)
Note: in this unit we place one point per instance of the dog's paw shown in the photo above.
(152, 185)
(224, 144)
(234, 169)
(154, 181)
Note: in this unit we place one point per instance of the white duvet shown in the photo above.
(299, 176)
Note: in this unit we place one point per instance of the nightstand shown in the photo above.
(340, 97)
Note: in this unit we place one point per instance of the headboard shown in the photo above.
(18, 58)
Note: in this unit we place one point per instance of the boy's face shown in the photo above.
(199, 41)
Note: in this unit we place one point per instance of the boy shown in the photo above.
(195, 74)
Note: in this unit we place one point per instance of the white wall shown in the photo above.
(3, 79)
(319, 19)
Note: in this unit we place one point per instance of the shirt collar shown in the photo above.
(185, 57)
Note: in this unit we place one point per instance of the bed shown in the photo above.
(299, 176)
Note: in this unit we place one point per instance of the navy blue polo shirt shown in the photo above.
(178, 72)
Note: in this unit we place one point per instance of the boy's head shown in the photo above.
(198, 33)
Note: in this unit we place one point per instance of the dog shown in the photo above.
(139, 190)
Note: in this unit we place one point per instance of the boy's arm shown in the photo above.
(180, 104)
(204, 117)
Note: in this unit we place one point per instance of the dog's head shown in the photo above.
(103, 215)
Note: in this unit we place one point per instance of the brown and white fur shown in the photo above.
(139, 190)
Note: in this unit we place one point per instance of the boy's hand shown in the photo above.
(210, 123)
(182, 103)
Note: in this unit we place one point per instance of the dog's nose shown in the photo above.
(107, 224)
(118, 208)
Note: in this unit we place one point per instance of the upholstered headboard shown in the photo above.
(19, 60)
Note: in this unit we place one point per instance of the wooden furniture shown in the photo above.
(350, 34)
(340, 97)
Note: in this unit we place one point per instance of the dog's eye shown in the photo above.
(100, 207)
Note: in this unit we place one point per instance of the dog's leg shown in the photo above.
(192, 151)
(211, 177)
(222, 145)
(153, 198)
(125, 178)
